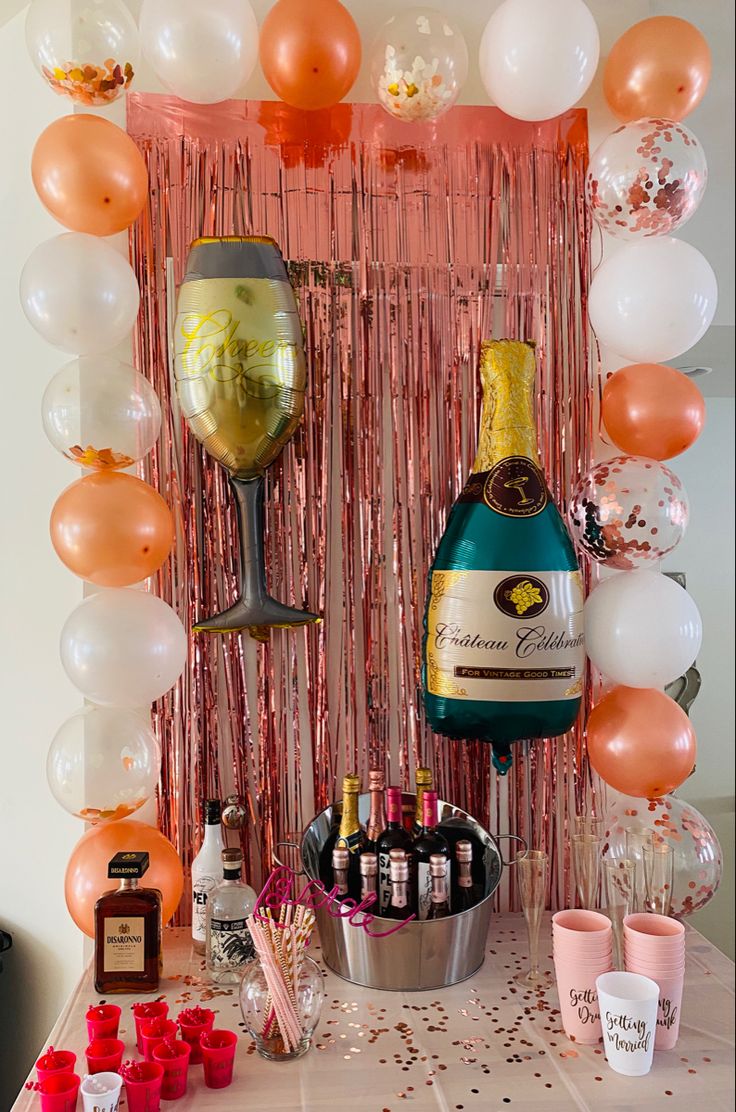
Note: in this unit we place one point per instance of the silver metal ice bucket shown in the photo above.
(424, 955)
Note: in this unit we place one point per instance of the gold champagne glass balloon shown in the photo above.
(240, 377)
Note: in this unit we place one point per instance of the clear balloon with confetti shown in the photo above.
(419, 64)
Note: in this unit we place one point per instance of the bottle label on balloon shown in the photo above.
(124, 944)
(505, 636)
(515, 487)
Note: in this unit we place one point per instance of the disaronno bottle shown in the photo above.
(503, 647)
(128, 930)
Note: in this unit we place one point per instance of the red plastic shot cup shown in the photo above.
(173, 1055)
(104, 1055)
(195, 1022)
(145, 1010)
(143, 1082)
(103, 1021)
(218, 1057)
(55, 1061)
(59, 1092)
(153, 1033)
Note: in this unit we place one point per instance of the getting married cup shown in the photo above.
(628, 1004)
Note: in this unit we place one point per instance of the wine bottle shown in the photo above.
(369, 879)
(439, 907)
(340, 865)
(393, 837)
(429, 842)
(463, 897)
(424, 782)
(377, 817)
(351, 835)
(399, 906)
(503, 653)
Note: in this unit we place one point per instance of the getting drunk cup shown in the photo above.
(587, 932)
(669, 1008)
(59, 1092)
(103, 1021)
(660, 932)
(144, 1011)
(143, 1086)
(55, 1061)
(173, 1056)
(628, 1006)
(104, 1055)
(101, 1092)
(218, 1058)
(579, 1001)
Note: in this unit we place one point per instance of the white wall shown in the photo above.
(37, 593)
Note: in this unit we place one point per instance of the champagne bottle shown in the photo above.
(399, 906)
(439, 907)
(503, 629)
(377, 817)
(393, 837)
(351, 835)
(424, 782)
(429, 842)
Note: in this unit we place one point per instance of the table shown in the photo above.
(481, 1046)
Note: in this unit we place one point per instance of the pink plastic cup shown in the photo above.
(589, 930)
(143, 1082)
(195, 1022)
(669, 1008)
(59, 1092)
(579, 1003)
(55, 1061)
(173, 1055)
(103, 1021)
(654, 961)
(153, 1033)
(145, 1010)
(605, 963)
(218, 1057)
(104, 1055)
(648, 926)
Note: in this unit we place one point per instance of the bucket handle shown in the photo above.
(281, 864)
(511, 838)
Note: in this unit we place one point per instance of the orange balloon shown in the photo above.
(89, 174)
(641, 742)
(111, 529)
(659, 67)
(86, 874)
(652, 410)
(310, 52)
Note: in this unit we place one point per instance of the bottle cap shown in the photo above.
(393, 804)
(376, 780)
(424, 777)
(397, 855)
(464, 852)
(129, 864)
(429, 808)
(437, 864)
(232, 858)
(351, 784)
(212, 811)
(399, 868)
(340, 857)
(368, 864)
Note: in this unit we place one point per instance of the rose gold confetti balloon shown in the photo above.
(697, 852)
(647, 178)
(628, 512)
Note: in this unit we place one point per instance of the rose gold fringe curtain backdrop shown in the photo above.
(406, 246)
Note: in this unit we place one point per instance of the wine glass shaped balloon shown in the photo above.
(241, 374)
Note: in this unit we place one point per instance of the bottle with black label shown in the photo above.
(429, 843)
(206, 871)
(351, 835)
(424, 782)
(229, 942)
(128, 930)
(393, 837)
(503, 653)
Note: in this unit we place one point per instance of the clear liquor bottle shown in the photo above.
(229, 943)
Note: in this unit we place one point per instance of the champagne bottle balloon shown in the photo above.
(503, 651)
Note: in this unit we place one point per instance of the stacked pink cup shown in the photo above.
(654, 945)
(582, 943)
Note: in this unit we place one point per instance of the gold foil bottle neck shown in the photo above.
(507, 423)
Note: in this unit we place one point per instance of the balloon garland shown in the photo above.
(649, 303)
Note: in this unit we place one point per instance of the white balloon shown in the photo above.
(653, 300)
(202, 52)
(79, 293)
(642, 629)
(123, 648)
(538, 57)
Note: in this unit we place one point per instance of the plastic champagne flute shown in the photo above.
(531, 868)
(619, 878)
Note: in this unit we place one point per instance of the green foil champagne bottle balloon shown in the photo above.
(504, 657)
